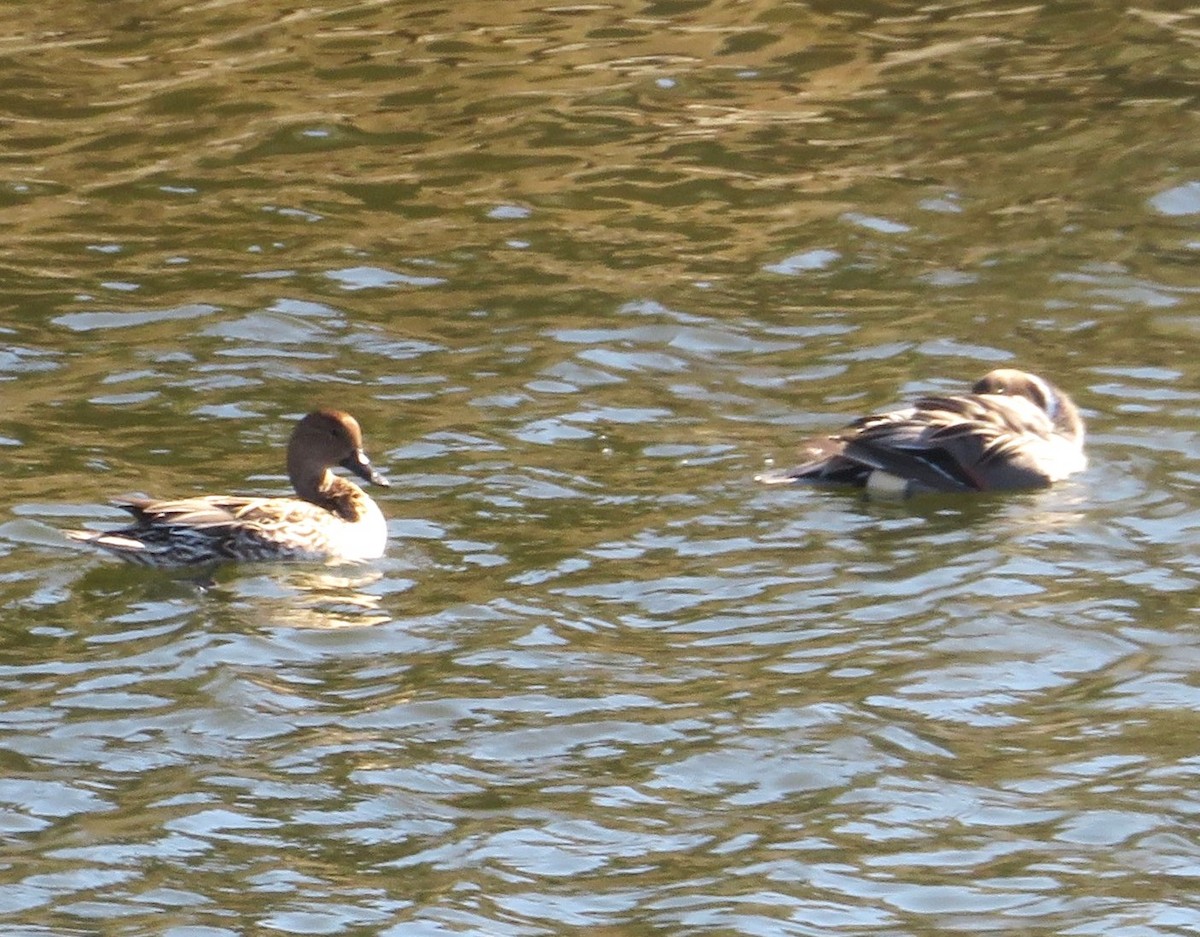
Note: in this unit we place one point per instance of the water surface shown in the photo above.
(581, 271)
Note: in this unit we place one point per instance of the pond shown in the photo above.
(581, 271)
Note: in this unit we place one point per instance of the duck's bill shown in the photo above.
(360, 465)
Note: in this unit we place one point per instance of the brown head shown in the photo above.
(1041, 393)
(322, 440)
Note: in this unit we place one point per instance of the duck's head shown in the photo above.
(1040, 392)
(323, 439)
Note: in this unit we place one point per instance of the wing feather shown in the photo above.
(943, 443)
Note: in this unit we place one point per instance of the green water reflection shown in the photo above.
(581, 270)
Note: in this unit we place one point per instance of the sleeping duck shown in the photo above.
(1014, 430)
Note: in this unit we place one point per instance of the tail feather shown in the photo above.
(113, 542)
(825, 463)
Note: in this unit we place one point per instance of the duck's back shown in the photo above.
(193, 531)
(951, 443)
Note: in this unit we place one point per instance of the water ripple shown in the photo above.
(580, 274)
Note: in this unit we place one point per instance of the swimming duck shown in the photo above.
(332, 519)
(1013, 430)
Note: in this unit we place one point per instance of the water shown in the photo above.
(581, 271)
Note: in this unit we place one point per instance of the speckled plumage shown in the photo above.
(332, 520)
(1014, 430)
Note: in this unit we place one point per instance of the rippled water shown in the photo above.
(581, 271)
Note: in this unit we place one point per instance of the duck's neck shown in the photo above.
(335, 494)
(1068, 420)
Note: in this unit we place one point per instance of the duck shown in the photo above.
(1013, 431)
(331, 519)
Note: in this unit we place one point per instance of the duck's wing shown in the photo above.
(943, 444)
(1014, 444)
(970, 442)
(203, 513)
(193, 531)
(243, 528)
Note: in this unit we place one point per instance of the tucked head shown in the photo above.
(1038, 391)
(1015, 383)
(323, 439)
